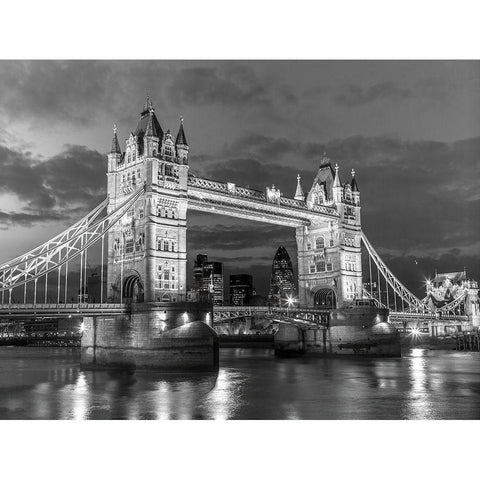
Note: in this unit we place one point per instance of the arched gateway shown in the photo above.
(151, 237)
(325, 298)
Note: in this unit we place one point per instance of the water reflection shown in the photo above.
(47, 383)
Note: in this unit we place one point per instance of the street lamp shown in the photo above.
(290, 302)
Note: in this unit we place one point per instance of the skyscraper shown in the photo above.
(282, 282)
(241, 289)
(209, 278)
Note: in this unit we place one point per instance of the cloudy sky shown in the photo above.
(411, 130)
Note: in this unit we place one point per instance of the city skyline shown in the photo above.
(407, 128)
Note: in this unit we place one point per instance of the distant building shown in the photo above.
(208, 279)
(241, 289)
(282, 282)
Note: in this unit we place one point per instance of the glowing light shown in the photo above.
(290, 301)
(185, 317)
(82, 327)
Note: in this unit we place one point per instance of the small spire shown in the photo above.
(148, 106)
(354, 182)
(181, 138)
(299, 195)
(115, 144)
(325, 160)
(336, 181)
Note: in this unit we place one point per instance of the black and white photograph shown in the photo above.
(205, 237)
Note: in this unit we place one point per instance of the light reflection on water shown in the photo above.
(45, 383)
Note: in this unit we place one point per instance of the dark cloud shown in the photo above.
(53, 90)
(222, 237)
(354, 95)
(234, 85)
(69, 183)
(423, 194)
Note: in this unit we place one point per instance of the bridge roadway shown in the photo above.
(61, 309)
(308, 316)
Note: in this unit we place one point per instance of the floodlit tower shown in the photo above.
(329, 251)
(147, 248)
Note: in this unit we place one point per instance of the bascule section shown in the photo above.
(329, 250)
(147, 248)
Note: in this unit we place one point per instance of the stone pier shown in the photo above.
(173, 336)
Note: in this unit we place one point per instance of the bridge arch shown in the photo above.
(133, 287)
(325, 297)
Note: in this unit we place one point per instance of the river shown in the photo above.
(47, 383)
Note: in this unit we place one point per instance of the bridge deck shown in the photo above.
(61, 309)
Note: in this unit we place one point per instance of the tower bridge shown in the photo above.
(140, 230)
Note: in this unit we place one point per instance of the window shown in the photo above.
(129, 245)
(320, 242)
(168, 170)
(329, 266)
(320, 266)
(166, 245)
(168, 151)
(159, 247)
(309, 246)
(166, 275)
(140, 213)
(312, 268)
(332, 243)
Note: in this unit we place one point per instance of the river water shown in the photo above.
(47, 383)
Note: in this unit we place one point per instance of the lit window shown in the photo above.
(320, 242)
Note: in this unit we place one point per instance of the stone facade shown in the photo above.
(147, 248)
(329, 250)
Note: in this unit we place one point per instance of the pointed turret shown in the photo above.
(115, 144)
(325, 160)
(353, 184)
(115, 155)
(149, 133)
(181, 144)
(299, 195)
(337, 186)
(336, 181)
(181, 139)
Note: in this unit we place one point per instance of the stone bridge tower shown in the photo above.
(147, 249)
(329, 251)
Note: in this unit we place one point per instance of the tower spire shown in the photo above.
(148, 106)
(181, 138)
(336, 181)
(299, 195)
(115, 144)
(354, 182)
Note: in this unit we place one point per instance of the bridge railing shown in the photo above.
(249, 193)
(61, 306)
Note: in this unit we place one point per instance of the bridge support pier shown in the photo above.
(159, 336)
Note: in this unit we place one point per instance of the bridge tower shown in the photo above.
(147, 249)
(329, 251)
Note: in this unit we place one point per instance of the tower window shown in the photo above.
(320, 266)
(320, 242)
